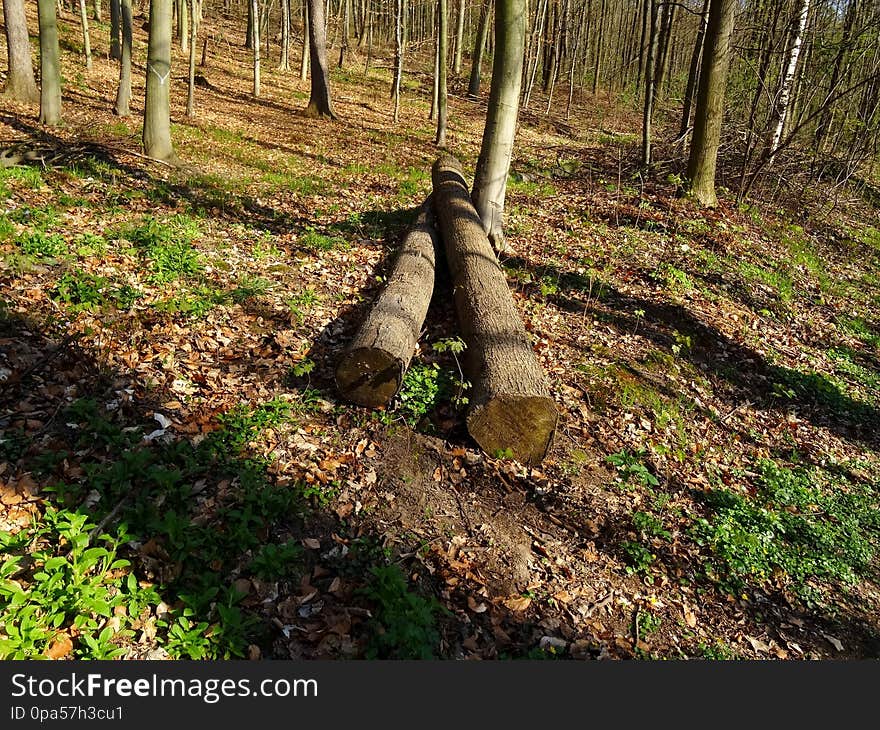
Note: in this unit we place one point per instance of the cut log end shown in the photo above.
(369, 376)
(520, 427)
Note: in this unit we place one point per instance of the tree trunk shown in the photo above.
(20, 82)
(442, 53)
(496, 149)
(371, 371)
(693, 74)
(479, 45)
(780, 108)
(710, 102)
(50, 67)
(510, 409)
(191, 77)
(255, 45)
(663, 43)
(87, 41)
(183, 25)
(304, 59)
(600, 47)
(459, 36)
(249, 36)
(115, 32)
(99, 16)
(284, 61)
(320, 104)
(123, 93)
(157, 106)
(650, 86)
(399, 15)
(343, 46)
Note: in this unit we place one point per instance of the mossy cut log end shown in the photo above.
(371, 371)
(511, 411)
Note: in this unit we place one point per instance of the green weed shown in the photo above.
(802, 528)
(404, 622)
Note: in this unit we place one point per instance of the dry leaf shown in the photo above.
(517, 603)
(60, 647)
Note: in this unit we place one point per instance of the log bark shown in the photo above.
(511, 411)
(371, 371)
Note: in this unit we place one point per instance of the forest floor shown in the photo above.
(178, 477)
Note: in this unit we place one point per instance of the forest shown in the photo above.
(440, 329)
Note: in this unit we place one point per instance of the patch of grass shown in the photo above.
(195, 302)
(777, 279)
(846, 363)
(90, 244)
(26, 175)
(803, 529)
(301, 302)
(249, 287)
(168, 245)
(859, 328)
(39, 219)
(404, 622)
(717, 650)
(313, 240)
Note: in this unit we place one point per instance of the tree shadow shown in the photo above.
(748, 374)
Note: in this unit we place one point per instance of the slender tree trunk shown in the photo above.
(249, 36)
(783, 97)
(304, 60)
(50, 67)
(115, 33)
(399, 15)
(600, 47)
(123, 93)
(320, 104)
(183, 25)
(710, 102)
(650, 86)
(284, 61)
(532, 66)
(255, 45)
(459, 36)
(435, 86)
(99, 15)
(479, 45)
(191, 80)
(442, 53)
(663, 43)
(157, 102)
(496, 149)
(343, 46)
(87, 41)
(693, 74)
(20, 82)
(842, 49)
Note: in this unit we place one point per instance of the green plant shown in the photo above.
(42, 245)
(312, 240)
(274, 562)
(80, 290)
(300, 302)
(638, 558)
(168, 245)
(629, 466)
(648, 622)
(803, 529)
(650, 526)
(425, 387)
(404, 622)
(249, 287)
(58, 580)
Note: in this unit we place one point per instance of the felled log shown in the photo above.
(510, 411)
(371, 370)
